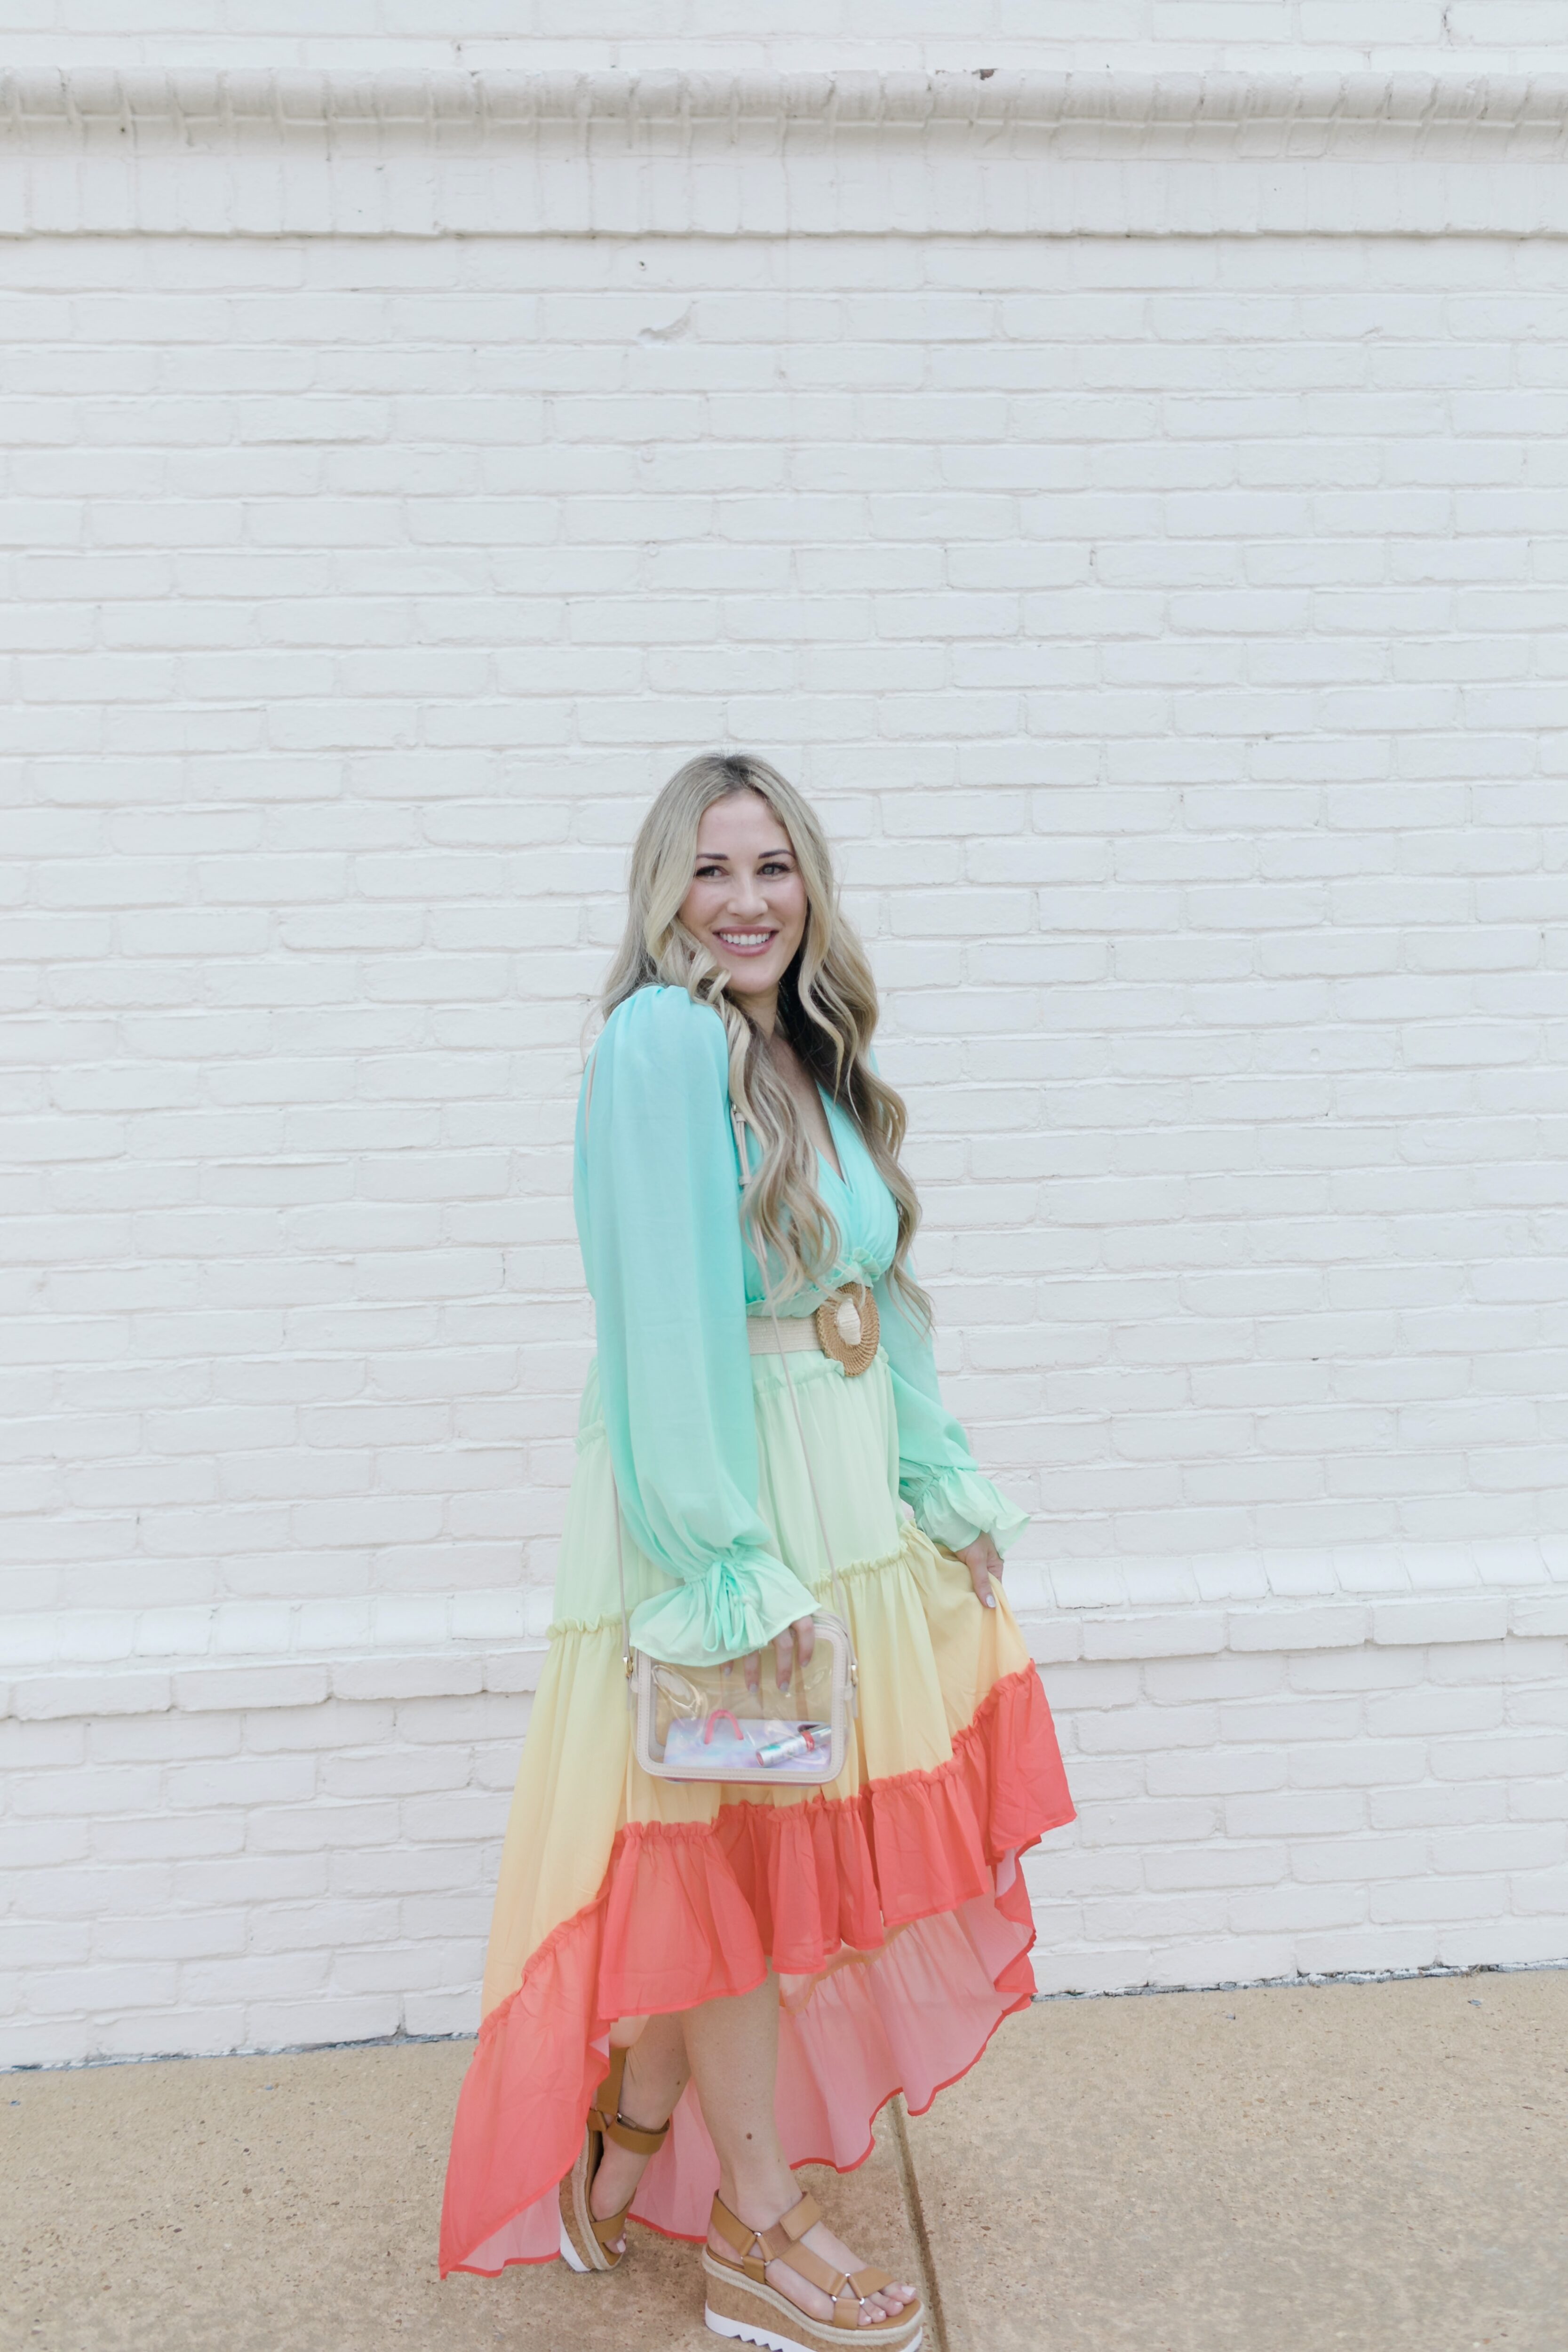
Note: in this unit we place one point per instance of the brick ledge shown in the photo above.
(246, 1656)
(222, 104)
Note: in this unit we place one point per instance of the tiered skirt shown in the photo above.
(889, 1903)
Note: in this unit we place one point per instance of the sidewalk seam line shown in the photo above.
(909, 2181)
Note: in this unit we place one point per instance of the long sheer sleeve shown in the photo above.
(658, 1189)
(952, 1503)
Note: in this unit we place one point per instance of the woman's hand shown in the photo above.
(799, 1640)
(984, 1561)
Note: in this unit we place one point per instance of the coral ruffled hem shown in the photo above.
(899, 1912)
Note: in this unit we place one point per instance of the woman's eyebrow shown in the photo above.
(722, 857)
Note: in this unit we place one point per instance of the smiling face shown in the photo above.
(747, 902)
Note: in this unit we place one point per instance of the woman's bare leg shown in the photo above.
(733, 2044)
(655, 2075)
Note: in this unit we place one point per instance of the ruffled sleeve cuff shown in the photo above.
(744, 1599)
(955, 1505)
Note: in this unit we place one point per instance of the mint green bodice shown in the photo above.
(657, 1187)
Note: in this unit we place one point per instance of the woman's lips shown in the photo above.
(746, 944)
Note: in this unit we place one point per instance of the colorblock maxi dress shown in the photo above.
(890, 1901)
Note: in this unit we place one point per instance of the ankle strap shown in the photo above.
(604, 2116)
(629, 2135)
(791, 2225)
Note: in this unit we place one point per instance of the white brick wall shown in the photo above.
(869, 34)
(1170, 628)
(1280, 1788)
(210, 1875)
(1170, 639)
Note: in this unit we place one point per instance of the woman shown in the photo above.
(796, 1954)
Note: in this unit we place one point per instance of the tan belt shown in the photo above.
(845, 1327)
(793, 1333)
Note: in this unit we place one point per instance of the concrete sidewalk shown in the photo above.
(1382, 2167)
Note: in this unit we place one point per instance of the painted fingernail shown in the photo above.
(991, 1601)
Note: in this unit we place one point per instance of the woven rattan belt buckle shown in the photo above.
(849, 1328)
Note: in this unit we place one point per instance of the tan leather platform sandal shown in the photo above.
(586, 2243)
(742, 2304)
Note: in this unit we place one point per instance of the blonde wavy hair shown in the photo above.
(826, 1010)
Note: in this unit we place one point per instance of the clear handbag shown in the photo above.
(704, 1723)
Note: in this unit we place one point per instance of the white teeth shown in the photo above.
(745, 938)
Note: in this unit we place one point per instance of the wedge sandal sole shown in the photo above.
(579, 2245)
(750, 2313)
(741, 2332)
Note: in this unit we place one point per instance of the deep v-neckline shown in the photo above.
(834, 1162)
(832, 1158)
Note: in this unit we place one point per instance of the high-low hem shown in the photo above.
(896, 1919)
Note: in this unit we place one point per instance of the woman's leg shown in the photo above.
(655, 2075)
(733, 2044)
